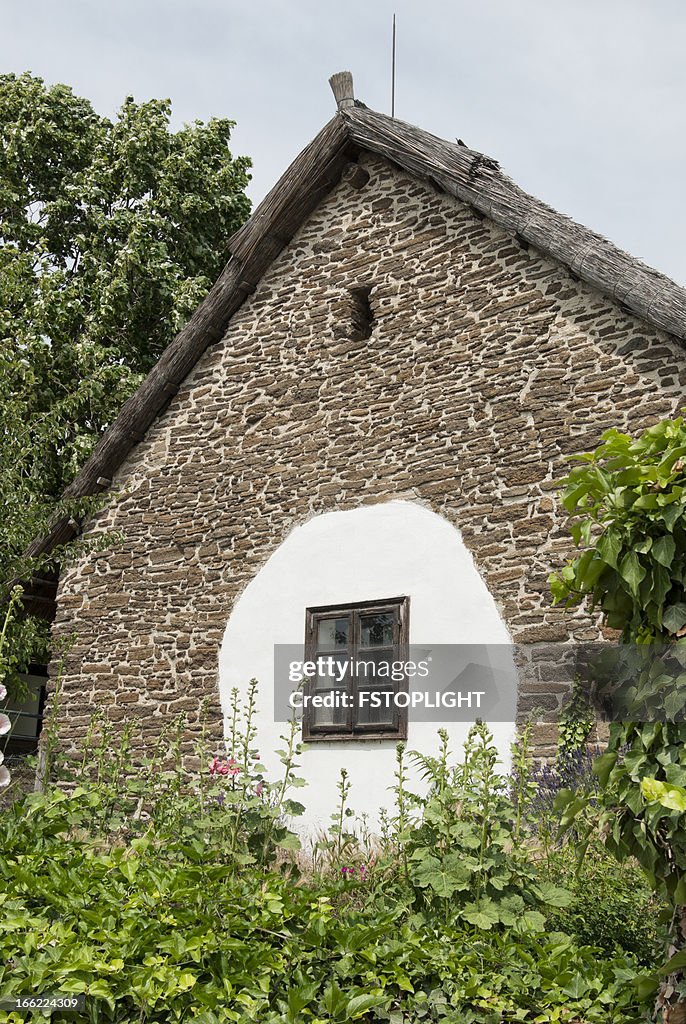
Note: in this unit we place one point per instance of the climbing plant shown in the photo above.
(628, 503)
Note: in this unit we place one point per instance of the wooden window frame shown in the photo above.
(354, 731)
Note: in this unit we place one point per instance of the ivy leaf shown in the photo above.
(298, 998)
(359, 1005)
(646, 501)
(603, 765)
(673, 798)
(663, 550)
(609, 547)
(631, 570)
(674, 617)
(186, 981)
(673, 704)
(576, 987)
(129, 868)
(334, 1000)
(671, 514)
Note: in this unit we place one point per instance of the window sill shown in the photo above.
(354, 737)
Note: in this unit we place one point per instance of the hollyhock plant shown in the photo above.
(219, 766)
(5, 726)
(351, 872)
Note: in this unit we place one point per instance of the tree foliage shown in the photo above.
(111, 231)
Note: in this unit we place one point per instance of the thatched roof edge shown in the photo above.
(477, 180)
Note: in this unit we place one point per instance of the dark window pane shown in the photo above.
(332, 633)
(334, 714)
(376, 630)
(332, 670)
(375, 707)
(375, 667)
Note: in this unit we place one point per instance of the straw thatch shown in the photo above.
(466, 174)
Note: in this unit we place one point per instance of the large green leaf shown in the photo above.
(553, 895)
(482, 915)
(667, 795)
(443, 876)
(603, 765)
(609, 547)
(631, 570)
(663, 550)
(674, 617)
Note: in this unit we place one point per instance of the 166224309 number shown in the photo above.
(45, 1001)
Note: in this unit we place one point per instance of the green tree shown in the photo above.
(111, 232)
(628, 500)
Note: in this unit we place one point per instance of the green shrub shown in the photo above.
(613, 906)
(462, 846)
(164, 929)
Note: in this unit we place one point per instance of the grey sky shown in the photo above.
(582, 102)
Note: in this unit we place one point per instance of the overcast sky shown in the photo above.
(583, 102)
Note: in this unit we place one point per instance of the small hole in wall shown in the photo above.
(362, 315)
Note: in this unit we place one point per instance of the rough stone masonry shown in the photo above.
(487, 365)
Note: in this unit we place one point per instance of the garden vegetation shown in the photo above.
(168, 895)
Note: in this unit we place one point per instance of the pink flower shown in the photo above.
(259, 788)
(3, 692)
(228, 767)
(5, 724)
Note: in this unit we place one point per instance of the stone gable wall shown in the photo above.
(486, 366)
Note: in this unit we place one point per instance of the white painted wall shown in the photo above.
(379, 551)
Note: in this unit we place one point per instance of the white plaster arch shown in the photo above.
(376, 551)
